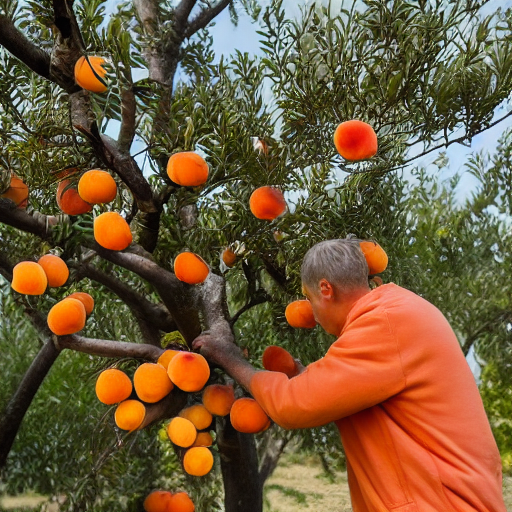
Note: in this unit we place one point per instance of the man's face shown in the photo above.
(322, 303)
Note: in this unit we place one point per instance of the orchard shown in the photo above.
(151, 191)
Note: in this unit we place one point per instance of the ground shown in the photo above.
(298, 484)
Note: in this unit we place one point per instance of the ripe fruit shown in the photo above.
(69, 201)
(113, 386)
(187, 169)
(376, 257)
(181, 432)
(198, 461)
(97, 187)
(112, 231)
(198, 415)
(17, 192)
(189, 371)
(203, 439)
(129, 415)
(218, 399)
(228, 257)
(190, 268)
(29, 278)
(277, 359)
(355, 140)
(151, 382)
(166, 357)
(66, 317)
(88, 79)
(247, 416)
(181, 502)
(267, 203)
(157, 501)
(55, 269)
(85, 299)
(299, 313)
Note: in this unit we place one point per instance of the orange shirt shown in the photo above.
(406, 404)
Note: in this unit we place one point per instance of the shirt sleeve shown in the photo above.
(361, 369)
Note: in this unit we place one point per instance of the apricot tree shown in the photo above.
(424, 76)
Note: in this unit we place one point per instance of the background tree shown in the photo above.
(425, 76)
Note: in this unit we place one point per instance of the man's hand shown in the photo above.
(226, 355)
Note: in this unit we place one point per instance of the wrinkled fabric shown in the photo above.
(407, 407)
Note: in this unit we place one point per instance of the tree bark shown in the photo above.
(239, 465)
(20, 402)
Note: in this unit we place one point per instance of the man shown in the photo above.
(396, 384)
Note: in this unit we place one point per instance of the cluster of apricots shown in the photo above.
(189, 431)
(111, 230)
(68, 316)
(165, 501)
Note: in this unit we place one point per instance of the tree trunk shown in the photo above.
(239, 465)
(14, 413)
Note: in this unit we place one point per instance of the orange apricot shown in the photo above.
(218, 399)
(90, 75)
(267, 203)
(198, 414)
(181, 432)
(66, 317)
(247, 416)
(85, 299)
(355, 140)
(17, 192)
(190, 268)
(166, 357)
(157, 501)
(113, 386)
(187, 169)
(151, 382)
(112, 231)
(203, 439)
(375, 256)
(189, 371)
(228, 257)
(55, 269)
(29, 278)
(69, 201)
(130, 414)
(181, 502)
(97, 187)
(277, 359)
(198, 461)
(299, 313)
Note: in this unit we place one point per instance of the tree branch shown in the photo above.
(181, 14)
(18, 405)
(147, 313)
(260, 298)
(108, 348)
(22, 48)
(128, 111)
(37, 224)
(273, 451)
(212, 294)
(204, 17)
(177, 296)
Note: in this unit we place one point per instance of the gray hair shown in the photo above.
(340, 261)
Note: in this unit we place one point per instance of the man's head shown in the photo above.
(334, 276)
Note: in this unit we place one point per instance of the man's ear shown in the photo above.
(326, 289)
